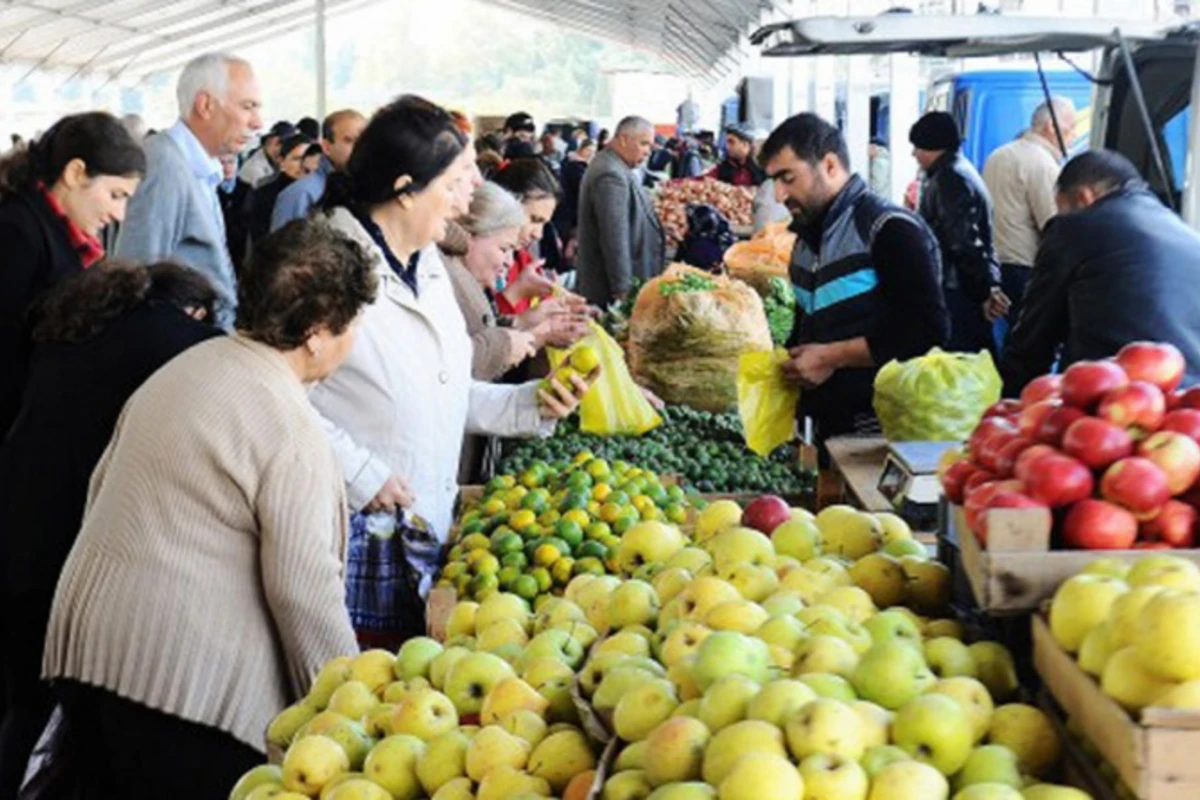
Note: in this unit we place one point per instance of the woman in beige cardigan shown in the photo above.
(205, 591)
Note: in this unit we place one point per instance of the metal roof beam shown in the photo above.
(76, 12)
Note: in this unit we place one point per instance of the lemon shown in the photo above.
(522, 519)
(487, 564)
(598, 531)
(562, 570)
(585, 359)
(543, 578)
(475, 541)
(583, 458)
(599, 469)
(601, 492)
(550, 518)
(610, 513)
(577, 516)
(545, 555)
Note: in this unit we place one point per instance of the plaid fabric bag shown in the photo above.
(390, 566)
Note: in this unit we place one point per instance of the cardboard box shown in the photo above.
(1155, 756)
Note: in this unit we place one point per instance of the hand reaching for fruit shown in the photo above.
(559, 401)
(561, 330)
(392, 495)
(524, 345)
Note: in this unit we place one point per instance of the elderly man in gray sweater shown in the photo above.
(176, 214)
(620, 237)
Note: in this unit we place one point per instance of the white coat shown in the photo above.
(404, 398)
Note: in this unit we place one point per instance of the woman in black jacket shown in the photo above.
(55, 197)
(262, 199)
(98, 337)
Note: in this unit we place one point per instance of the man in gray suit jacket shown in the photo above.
(176, 214)
(620, 237)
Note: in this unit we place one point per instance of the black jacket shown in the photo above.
(262, 205)
(1125, 269)
(237, 231)
(73, 397)
(35, 254)
(956, 204)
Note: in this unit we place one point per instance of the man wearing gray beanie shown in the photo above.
(956, 204)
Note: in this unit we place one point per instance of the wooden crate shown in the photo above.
(1018, 571)
(1076, 768)
(1155, 756)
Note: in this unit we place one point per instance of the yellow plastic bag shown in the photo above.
(937, 397)
(614, 405)
(766, 402)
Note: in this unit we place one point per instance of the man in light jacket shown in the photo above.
(1020, 177)
(620, 237)
(176, 214)
(339, 132)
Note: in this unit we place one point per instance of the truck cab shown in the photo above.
(1160, 141)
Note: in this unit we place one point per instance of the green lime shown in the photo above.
(505, 543)
(484, 586)
(526, 586)
(516, 559)
(569, 532)
(589, 566)
(591, 549)
(508, 577)
(597, 531)
(543, 578)
(535, 502)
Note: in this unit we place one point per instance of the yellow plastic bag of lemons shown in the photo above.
(937, 397)
(614, 406)
(766, 402)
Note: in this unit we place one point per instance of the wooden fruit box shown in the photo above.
(1156, 756)
(1017, 571)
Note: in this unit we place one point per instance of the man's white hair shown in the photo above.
(205, 73)
(1062, 108)
(633, 125)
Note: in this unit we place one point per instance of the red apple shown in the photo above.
(1183, 420)
(1097, 443)
(1086, 382)
(954, 480)
(1047, 387)
(1059, 480)
(1006, 458)
(766, 513)
(1175, 525)
(993, 447)
(1005, 498)
(1034, 415)
(1027, 459)
(1190, 398)
(1154, 362)
(1056, 423)
(1003, 408)
(984, 431)
(977, 479)
(1099, 525)
(1177, 455)
(978, 498)
(1138, 407)
(1136, 483)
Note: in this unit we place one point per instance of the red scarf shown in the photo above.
(87, 246)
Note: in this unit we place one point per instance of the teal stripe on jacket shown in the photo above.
(837, 291)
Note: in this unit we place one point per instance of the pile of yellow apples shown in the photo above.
(813, 662)
(1136, 628)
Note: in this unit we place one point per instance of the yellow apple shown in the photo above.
(974, 698)
(504, 782)
(1097, 647)
(1029, 734)
(647, 543)
(779, 700)
(472, 677)
(525, 724)
(727, 701)
(825, 726)
(692, 559)
(633, 603)
(444, 759)
(850, 536)
(493, 747)
(762, 776)
(670, 582)
(727, 746)
(716, 517)
(854, 602)
(457, 789)
(1167, 571)
(353, 699)
(1127, 680)
(825, 654)
(678, 747)
(996, 669)
(442, 664)
(1167, 640)
(895, 529)
(426, 714)
(644, 708)
(739, 615)
(755, 583)
(740, 546)
(833, 776)
(1081, 603)
(560, 757)
(331, 676)
(683, 642)
(782, 630)
(882, 577)
(375, 668)
(1182, 696)
(875, 723)
(627, 785)
(311, 762)
(909, 780)
(283, 728)
(936, 730)
(798, 538)
(393, 765)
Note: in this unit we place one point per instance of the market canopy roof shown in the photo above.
(134, 37)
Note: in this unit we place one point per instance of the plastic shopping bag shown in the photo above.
(614, 405)
(766, 402)
(938, 397)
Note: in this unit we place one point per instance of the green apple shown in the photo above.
(740, 546)
(678, 747)
(628, 785)
(936, 730)
(632, 756)
(616, 684)
(633, 603)
(262, 775)
(949, 658)
(727, 746)
(905, 547)
(990, 763)
(876, 722)
(644, 708)
(471, 678)
(1167, 571)
(353, 699)
(834, 687)
(876, 758)
(1167, 640)
(439, 668)
(311, 762)
(825, 654)
(727, 701)
(493, 747)
(1081, 603)
(974, 698)
(779, 700)
(909, 780)
(283, 728)
(892, 673)
(415, 656)
(782, 630)
(783, 602)
(833, 776)
(825, 726)
(444, 759)
(849, 632)
(647, 543)
(727, 653)
(331, 676)
(755, 583)
(799, 538)
(556, 610)
(762, 776)
(426, 714)
(1030, 734)
(888, 625)
(996, 669)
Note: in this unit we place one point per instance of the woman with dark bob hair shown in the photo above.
(399, 407)
(56, 195)
(205, 589)
(98, 337)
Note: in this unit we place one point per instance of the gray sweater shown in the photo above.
(174, 216)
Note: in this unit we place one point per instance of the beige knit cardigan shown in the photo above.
(206, 580)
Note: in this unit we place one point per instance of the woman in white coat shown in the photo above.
(398, 408)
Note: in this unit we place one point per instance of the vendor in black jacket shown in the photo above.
(865, 273)
(956, 204)
(1115, 266)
